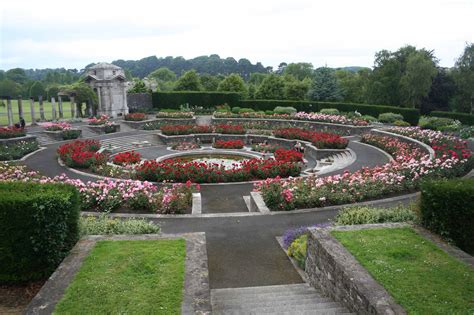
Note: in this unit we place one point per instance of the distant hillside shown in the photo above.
(212, 64)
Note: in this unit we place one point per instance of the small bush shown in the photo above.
(401, 123)
(464, 118)
(297, 250)
(368, 118)
(329, 111)
(389, 117)
(38, 227)
(236, 110)
(467, 132)
(281, 110)
(104, 225)
(438, 123)
(269, 112)
(367, 215)
(447, 208)
(246, 110)
(70, 134)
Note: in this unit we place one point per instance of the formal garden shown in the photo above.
(65, 181)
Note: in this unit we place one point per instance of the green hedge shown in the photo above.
(464, 118)
(447, 208)
(204, 99)
(39, 224)
(410, 115)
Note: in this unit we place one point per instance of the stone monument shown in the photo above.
(110, 84)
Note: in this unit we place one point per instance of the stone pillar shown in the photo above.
(73, 106)
(9, 112)
(20, 107)
(40, 98)
(60, 107)
(99, 99)
(53, 108)
(32, 111)
(125, 105)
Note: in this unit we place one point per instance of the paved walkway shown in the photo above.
(242, 251)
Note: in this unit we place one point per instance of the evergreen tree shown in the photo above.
(324, 86)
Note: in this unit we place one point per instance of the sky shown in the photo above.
(336, 33)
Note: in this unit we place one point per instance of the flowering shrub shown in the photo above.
(135, 117)
(108, 195)
(82, 153)
(292, 234)
(401, 175)
(177, 198)
(321, 140)
(288, 155)
(200, 172)
(229, 144)
(230, 129)
(17, 150)
(56, 126)
(334, 119)
(130, 157)
(185, 146)
(102, 120)
(166, 114)
(11, 132)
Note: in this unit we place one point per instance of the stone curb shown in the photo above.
(196, 294)
(426, 147)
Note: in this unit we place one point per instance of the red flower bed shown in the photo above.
(288, 155)
(230, 129)
(82, 153)
(202, 129)
(130, 157)
(135, 116)
(200, 172)
(321, 140)
(11, 132)
(229, 144)
(172, 130)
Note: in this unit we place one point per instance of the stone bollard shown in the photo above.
(32, 111)
(53, 108)
(9, 112)
(60, 107)
(40, 99)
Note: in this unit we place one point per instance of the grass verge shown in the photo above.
(419, 276)
(128, 277)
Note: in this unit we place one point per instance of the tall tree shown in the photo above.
(464, 78)
(37, 90)
(163, 74)
(233, 83)
(441, 92)
(415, 83)
(9, 88)
(210, 82)
(295, 89)
(354, 86)
(17, 75)
(272, 88)
(324, 86)
(189, 81)
(300, 70)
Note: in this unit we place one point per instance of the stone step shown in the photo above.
(271, 301)
(263, 289)
(332, 309)
(229, 295)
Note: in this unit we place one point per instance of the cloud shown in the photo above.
(39, 34)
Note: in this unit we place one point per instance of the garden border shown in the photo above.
(196, 294)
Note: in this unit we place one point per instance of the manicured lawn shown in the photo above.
(128, 277)
(27, 114)
(419, 276)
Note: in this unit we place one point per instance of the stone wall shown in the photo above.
(418, 144)
(138, 102)
(331, 268)
(11, 141)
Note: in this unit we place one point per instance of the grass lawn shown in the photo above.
(128, 277)
(27, 114)
(419, 276)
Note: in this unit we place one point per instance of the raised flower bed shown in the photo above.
(11, 132)
(321, 140)
(61, 131)
(230, 144)
(103, 125)
(135, 117)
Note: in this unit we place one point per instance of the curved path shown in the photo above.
(242, 251)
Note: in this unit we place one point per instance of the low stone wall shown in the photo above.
(285, 123)
(331, 268)
(58, 135)
(420, 145)
(138, 102)
(10, 141)
(100, 129)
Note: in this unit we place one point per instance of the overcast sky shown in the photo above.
(72, 34)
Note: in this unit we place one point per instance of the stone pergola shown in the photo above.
(110, 84)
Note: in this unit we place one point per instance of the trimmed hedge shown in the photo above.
(466, 119)
(410, 115)
(194, 98)
(447, 208)
(39, 224)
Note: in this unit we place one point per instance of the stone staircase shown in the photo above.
(128, 143)
(334, 162)
(275, 299)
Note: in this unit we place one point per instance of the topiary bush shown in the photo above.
(38, 227)
(447, 208)
(389, 117)
(401, 123)
(281, 110)
(246, 110)
(235, 110)
(329, 111)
